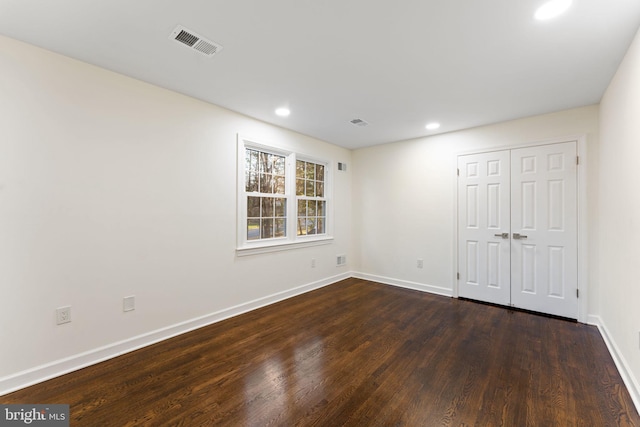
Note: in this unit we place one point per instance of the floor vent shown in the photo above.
(194, 41)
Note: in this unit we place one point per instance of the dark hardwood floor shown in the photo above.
(357, 353)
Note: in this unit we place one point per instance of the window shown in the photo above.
(282, 199)
(312, 206)
(266, 202)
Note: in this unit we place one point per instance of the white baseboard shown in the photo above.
(621, 363)
(60, 367)
(438, 290)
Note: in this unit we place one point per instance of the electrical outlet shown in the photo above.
(129, 303)
(313, 263)
(420, 263)
(63, 315)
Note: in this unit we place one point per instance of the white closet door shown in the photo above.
(544, 263)
(517, 228)
(483, 227)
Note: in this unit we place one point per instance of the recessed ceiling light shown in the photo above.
(283, 112)
(433, 126)
(551, 9)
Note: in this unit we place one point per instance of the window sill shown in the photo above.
(277, 247)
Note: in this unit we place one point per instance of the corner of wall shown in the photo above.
(618, 358)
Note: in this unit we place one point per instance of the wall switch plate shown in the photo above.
(420, 263)
(129, 303)
(63, 315)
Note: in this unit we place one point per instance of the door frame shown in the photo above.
(582, 233)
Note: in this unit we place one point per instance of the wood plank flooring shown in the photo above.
(356, 353)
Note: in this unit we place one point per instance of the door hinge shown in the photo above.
(577, 293)
(458, 276)
(577, 160)
(458, 172)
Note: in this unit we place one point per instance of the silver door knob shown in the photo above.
(503, 235)
(519, 236)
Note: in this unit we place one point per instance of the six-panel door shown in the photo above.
(544, 259)
(483, 217)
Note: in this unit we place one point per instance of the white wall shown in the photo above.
(111, 187)
(619, 212)
(404, 195)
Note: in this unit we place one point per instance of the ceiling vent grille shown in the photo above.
(195, 41)
(358, 122)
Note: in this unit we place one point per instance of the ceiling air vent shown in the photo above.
(358, 122)
(195, 41)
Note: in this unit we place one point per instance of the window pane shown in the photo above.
(266, 183)
(299, 169)
(251, 160)
(311, 188)
(251, 166)
(302, 227)
(280, 206)
(265, 162)
(299, 187)
(274, 161)
(262, 162)
(278, 165)
(311, 226)
(247, 159)
(319, 189)
(320, 172)
(253, 207)
(311, 208)
(255, 160)
(320, 226)
(302, 208)
(252, 182)
(279, 185)
(267, 228)
(321, 208)
(281, 227)
(253, 229)
(267, 206)
(310, 170)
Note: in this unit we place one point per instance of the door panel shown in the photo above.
(484, 212)
(530, 194)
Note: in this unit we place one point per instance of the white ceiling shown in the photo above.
(397, 65)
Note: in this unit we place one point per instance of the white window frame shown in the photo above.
(291, 240)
